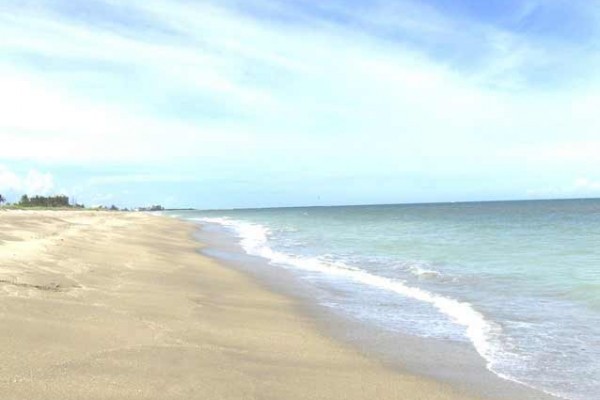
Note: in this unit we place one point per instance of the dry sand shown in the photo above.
(99, 305)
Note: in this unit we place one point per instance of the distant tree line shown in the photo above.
(46, 201)
(61, 201)
(152, 208)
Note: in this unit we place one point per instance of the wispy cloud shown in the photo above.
(296, 90)
(33, 182)
(586, 184)
(578, 187)
(140, 178)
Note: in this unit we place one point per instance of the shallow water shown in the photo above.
(517, 281)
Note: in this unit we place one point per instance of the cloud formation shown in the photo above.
(294, 92)
(32, 183)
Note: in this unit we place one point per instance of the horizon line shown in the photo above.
(384, 204)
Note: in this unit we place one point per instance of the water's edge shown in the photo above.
(453, 363)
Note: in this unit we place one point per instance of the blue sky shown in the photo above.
(275, 103)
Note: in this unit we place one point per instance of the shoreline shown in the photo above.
(457, 364)
(115, 305)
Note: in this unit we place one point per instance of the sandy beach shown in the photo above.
(99, 305)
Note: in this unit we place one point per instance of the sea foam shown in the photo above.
(481, 332)
(475, 272)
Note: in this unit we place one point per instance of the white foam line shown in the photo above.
(254, 240)
(480, 331)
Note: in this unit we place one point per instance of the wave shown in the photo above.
(485, 335)
(424, 273)
(254, 240)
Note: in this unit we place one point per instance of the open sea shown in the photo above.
(518, 282)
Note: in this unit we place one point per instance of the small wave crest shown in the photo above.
(424, 273)
(486, 336)
(480, 331)
(501, 350)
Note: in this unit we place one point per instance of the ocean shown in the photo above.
(518, 281)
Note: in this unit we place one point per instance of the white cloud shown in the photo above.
(32, 183)
(140, 178)
(38, 183)
(585, 184)
(9, 180)
(578, 187)
(315, 98)
(560, 152)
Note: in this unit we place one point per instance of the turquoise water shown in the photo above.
(518, 281)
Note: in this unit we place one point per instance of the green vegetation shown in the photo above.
(59, 201)
(62, 201)
(152, 208)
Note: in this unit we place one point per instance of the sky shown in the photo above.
(264, 103)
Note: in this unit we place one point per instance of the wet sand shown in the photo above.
(101, 305)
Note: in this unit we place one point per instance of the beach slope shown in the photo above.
(99, 305)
